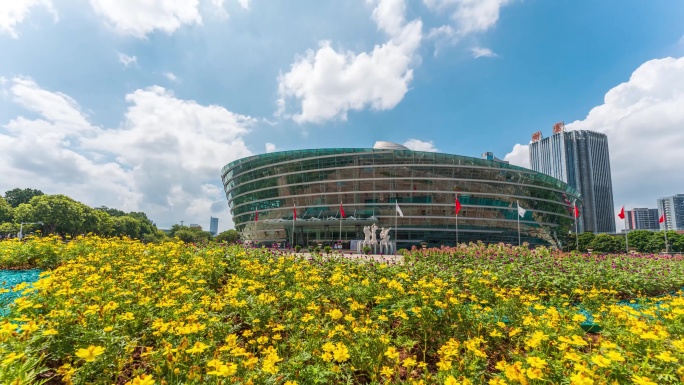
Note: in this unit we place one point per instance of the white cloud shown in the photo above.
(469, 16)
(482, 52)
(171, 76)
(126, 60)
(164, 159)
(644, 120)
(329, 83)
(270, 147)
(419, 145)
(138, 18)
(218, 5)
(244, 3)
(13, 12)
(519, 156)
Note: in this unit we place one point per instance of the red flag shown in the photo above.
(662, 218)
(621, 214)
(342, 211)
(256, 216)
(577, 214)
(294, 212)
(458, 205)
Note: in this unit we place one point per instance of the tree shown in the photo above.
(59, 213)
(676, 241)
(584, 240)
(111, 211)
(6, 211)
(24, 213)
(639, 239)
(126, 226)
(146, 225)
(230, 236)
(105, 223)
(17, 196)
(606, 243)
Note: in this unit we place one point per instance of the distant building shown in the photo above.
(642, 219)
(195, 226)
(673, 207)
(490, 156)
(213, 226)
(580, 159)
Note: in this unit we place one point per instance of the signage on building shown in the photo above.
(536, 136)
(558, 127)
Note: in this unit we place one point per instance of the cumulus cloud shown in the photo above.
(218, 6)
(270, 147)
(171, 76)
(138, 18)
(164, 159)
(643, 119)
(482, 52)
(469, 16)
(126, 60)
(244, 3)
(13, 12)
(519, 156)
(328, 82)
(419, 145)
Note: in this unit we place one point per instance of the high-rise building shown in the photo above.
(580, 159)
(213, 226)
(641, 219)
(673, 207)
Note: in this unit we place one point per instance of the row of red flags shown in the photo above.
(621, 215)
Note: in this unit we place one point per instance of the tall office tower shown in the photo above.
(580, 159)
(673, 207)
(213, 226)
(641, 219)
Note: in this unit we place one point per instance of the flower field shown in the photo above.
(119, 311)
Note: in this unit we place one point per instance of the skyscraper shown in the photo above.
(580, 159)
(213, 226)
(673, 207)
(641, 219)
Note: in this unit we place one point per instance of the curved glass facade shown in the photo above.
(370, 182)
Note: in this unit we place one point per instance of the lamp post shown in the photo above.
(21, 228)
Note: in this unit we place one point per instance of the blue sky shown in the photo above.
(137, 105)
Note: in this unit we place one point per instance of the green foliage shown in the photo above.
(17, 196)
(230, 236)
(327, 249)
(191, 235)
(606, 243)
(639, 239)
(584, 240)
(6, 211)
(126, 225)
(112, 212)
(298, 248)
(366, 250)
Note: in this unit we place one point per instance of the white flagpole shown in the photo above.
(626, 235)
(396, 229)
(456, 245)
(340, 224)
(293, 226)
(518, 203)
(574, 213)
(665, 222)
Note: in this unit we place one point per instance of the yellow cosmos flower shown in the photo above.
(386, 371)
(143, 379)
(90, 353)
(615, 356)
(392, 353)
(639, 380)
(534, 374)
(580, 378)
(601, 361)
(536, 362)
(50, 332)
(341, 353)
(224, 370)
(666, 356)
(291, 383)
(198, 347)
(12, 357)
(497, 381)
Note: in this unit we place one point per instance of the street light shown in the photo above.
(21, 228)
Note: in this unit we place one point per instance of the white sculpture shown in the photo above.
(367, 234)
(374, 230)
(385, 243)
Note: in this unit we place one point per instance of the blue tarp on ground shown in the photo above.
(11, 278)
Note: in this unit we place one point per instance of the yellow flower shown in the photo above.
(572, 356)
(50, 332)
(224, 370)
(12, 357)
(392, 353)
(143, 379)
(666, 356)
(335, 314)
(451, 381)
(615, 356)
(580, 378)
(198, 347)
(639, 380)
(290, 383)
(536, 362)
(386, 371)
(341, 352)
(600, 361)
(108, 329)
(90, 353)
(534, 373)
(496, 381)
(409, 363)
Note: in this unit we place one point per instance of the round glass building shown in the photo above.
(368, 184)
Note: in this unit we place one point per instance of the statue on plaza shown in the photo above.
(374, 230)
(367, 235)
(385, 240)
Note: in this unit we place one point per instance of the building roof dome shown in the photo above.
(380, 145)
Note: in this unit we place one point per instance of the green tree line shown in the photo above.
(59, 214)
(642, 241)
